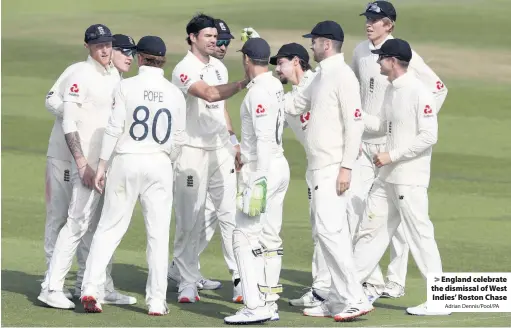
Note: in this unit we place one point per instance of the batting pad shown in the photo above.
(251, 269)
(272, 268)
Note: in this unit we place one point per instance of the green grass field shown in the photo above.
(463, 41)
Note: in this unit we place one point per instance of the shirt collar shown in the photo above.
(260, 77)
(332, 61)
(378, 46)
(150, 70)
(99, 67)
(197, 61)
(402, 81)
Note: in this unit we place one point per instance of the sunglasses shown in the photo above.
(373, 7)
(225, 43)
(127, 52)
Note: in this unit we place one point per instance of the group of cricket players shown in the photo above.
(367, 129)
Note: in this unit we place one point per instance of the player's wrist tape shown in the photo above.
(234, 140)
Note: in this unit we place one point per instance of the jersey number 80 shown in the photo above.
(143, 123)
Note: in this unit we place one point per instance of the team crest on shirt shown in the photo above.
(260, 111)
(358, 115)
(113, 104)
(218, 76)
(74, 90)
(428, 112)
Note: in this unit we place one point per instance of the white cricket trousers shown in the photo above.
(334, 237)
(363, 177)
(58, 196)
(263, 233)
(198, 173)
(320, 273)
(388, 206)
(132, 177)
(82, 220)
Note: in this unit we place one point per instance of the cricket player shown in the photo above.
(146, 129)
(207, 160)
(332, 141)
(399, 195)
(58, 167)
(262, 185)
(87, 98)
(292, 65)
(380, 20)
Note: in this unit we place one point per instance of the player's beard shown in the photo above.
(283, 79)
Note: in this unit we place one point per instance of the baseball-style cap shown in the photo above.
(395, 48)
(327, 29)
(256, 48)
(379, 10)
(123, 41)
(97, 33)
(224, 33)
(291, 50)
(151, 45)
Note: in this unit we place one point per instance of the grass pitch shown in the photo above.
(470, 189)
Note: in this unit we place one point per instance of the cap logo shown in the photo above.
(101, 30)
(222, 26)
(131, 40)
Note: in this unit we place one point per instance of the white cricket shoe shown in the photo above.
(188, 295)
(306, 300)
(117, 298)
(208, 284)
(44, 294)
(371, 292)
(274, 309)
(245, 316)
(56, 299)
(91, 304)
(423, 310)
(237, 294)
(352, 311)
(158, 309)
(393, 290)
(318, 311)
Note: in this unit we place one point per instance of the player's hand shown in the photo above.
(248, 33)
(382, 159)
(237, 159)
(252, 201)
(99, 181)
(343, 180)
(87, 176)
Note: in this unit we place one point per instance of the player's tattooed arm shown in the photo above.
(73, 142)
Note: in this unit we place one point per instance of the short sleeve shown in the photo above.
(184, 76)
(75, 87)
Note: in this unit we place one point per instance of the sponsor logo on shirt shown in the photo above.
(183, 78)
(304, 119)
(74, 90)
(439, 85)
(428, 112)
(260, 110)
(358, 115)
(212, 106)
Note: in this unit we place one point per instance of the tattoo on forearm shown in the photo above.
(73, 142)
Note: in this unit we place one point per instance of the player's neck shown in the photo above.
(396, 73)
(379, 40)
(297, 77)
(199, 55)
(256, 71)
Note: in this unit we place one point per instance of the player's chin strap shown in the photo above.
(272, 267)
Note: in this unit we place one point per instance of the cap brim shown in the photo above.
(308, 36)
(373, 15)
(377, 52)
(273, 60)
(102, 39)
(225, 36)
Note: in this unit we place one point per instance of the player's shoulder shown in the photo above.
(361, 48)
(217, 63)
(187, 63)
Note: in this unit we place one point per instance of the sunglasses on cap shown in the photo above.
(373, 7)
(127, 52)
(220, 43)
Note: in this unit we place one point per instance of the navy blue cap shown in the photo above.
(256, 48)
(97, 33)
(151, 45)
(123, 41)
(379, 10)
(395, 48)
(224, 33)
(291, 50)
(327, 29)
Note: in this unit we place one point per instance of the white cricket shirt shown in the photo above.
(335, 127)
(412, 130)
(373, 84)
(148, 115)
(205, 121)
(262, 121)
(299, 123)
(91, 87)
(57, 147)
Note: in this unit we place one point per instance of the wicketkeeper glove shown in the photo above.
(248, 33)
(252, 200)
